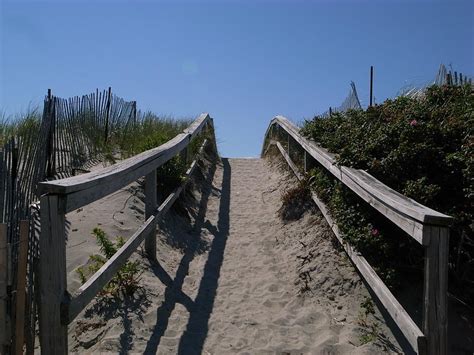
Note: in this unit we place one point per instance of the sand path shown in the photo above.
(240, 289)
(244, 292)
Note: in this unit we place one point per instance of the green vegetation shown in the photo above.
(370, 330)
(421, 147)
(295, 201)
(23, 125)
(127, 279)
(149, 132)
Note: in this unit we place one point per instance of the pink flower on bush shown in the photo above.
(413, 123)
(375, 232)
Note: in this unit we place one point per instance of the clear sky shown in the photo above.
(241, 61)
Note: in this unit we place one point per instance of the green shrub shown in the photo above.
(147, 133)
(421, 147)
(127, 279)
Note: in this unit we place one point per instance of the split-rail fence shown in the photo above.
(428, 227)
(58, 307)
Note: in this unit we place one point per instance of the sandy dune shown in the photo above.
(231, 277)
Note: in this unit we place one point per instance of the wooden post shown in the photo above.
(305, 162)
(52, 268)
(134, 112)
(448, 78)
(21, 288)
(371, 84)
(107, 115)
(183, 155)
(150, 208)
(51, 123)
(435, 307)
(4, 331)
(288, 144)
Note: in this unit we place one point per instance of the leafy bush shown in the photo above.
(421, 147)
(127, 279)
(366, 230)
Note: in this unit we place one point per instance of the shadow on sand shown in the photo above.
(193, 338)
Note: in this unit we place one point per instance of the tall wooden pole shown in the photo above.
(371, 84)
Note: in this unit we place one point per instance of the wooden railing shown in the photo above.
(57, 307)
(428, 227)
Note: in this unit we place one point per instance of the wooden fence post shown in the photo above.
(435, 322)
(134, 112)
(52, 269)
(21, 288)
(4, 332)
(183, 155)
(305, 162)
(150, 208)
(51, 118)
(371, 85)
(288, 144)
(107, 114)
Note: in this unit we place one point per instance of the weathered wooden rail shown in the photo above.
(58, 307)
(428, 227)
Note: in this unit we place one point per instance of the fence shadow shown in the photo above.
(173, 291)
(195, 334)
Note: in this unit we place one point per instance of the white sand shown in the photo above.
(232, 277)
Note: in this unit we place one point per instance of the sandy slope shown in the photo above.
(232, 277)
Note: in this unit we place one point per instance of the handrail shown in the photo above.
(403, 211)
(58, 307)
(427, 226)
(86, 188)
(97, 282)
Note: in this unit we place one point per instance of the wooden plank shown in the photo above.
(150, 208)
(21, 288)
(408, 327)
(86, 293)
(435, 322)
(52, 269)
(410, 226)
(3, 174)
(403, 205)
(289, 161)
(134, 164)
(196, 127)
(111, 181)
(4, 331)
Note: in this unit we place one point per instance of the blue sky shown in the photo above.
(241, 61)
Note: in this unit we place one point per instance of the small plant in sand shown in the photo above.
(370, 330)
(127, 279)
(296, 201)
